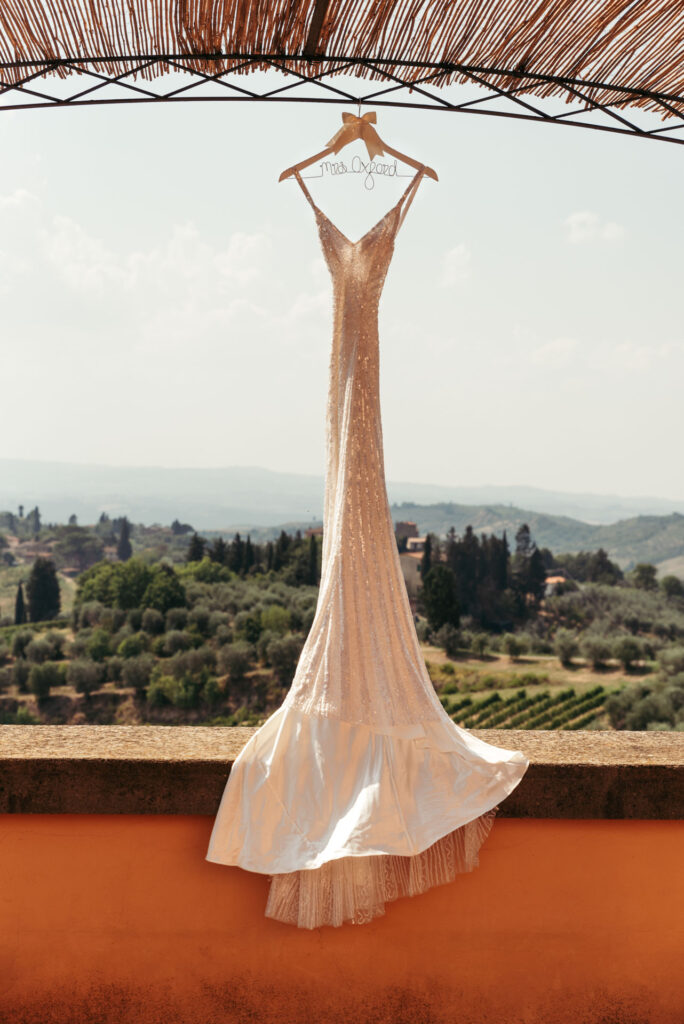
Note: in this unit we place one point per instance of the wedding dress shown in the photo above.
(359, 788)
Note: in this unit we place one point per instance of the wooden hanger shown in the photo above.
(353, 128)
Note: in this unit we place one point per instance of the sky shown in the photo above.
(165, 300)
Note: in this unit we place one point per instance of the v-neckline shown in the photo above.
(363, 237)
(371, 230)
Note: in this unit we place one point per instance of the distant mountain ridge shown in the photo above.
(657, 539)
(218, 498)
(238, 497)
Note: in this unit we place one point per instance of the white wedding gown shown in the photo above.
(359, 788)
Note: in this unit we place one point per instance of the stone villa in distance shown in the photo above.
(411, 548)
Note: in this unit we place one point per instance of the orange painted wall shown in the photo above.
(120, 918)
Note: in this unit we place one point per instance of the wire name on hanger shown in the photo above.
(369, 169)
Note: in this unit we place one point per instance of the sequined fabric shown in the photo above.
(362, 662)
(360, 788)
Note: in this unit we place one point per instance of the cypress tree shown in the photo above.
(248, 557)
(439, 597)
(536, 575)
(426, 560)
(123, 548)
(281, 550)
(523, 542)
(313, 561)
(219, 551)
(451, 549)
(19, 607)
(195, 549)
(42, 591)
(236, 555)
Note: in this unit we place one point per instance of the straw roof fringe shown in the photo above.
(637, 44)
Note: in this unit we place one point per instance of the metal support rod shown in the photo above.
(496, 84)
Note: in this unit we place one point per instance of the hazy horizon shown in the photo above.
(510, 485)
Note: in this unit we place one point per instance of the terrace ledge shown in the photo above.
(84, 769)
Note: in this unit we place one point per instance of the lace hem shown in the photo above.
(355, 889)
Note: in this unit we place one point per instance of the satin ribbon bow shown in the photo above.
(358, 128)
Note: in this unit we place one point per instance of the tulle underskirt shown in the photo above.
(356, 889)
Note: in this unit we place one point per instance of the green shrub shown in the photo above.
(133, 645)
(176, 640)
(283, 655)
(565, 646)
(114, 668)
(23, 716)
(449, 639)
(99, 645)
(193, 662)
(512, 645)
(88, 613)
(671, 661)
(478, 644)
(235, 660)
(262, 645)
(627, 650)
(134, 619)
(84, 675)
(596, 650)
(78, 648)
(247, 625)
(56, 641)
(181, 693)
(218, 620)
(198, 619)
(20, 641)
(224, 635)
(159, 646)
(112, 619)
(152, 621)
(423, 631)
(38, 651)
(165, 590)
(275, 619)
(161, 690)
(176, 618)
(136, 672)
(211, 692)
(20, 674)
(672, 586)
(44, 676)
(531, 678)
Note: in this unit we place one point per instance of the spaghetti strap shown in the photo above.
(305, 189)
(409, 195)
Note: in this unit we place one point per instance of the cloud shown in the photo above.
(635, 357)
(556, 353)
(86, 264)
(455, 266)
(83, 262)
(17, 198)
(585, 226)
(608, 356)
(215, 295)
